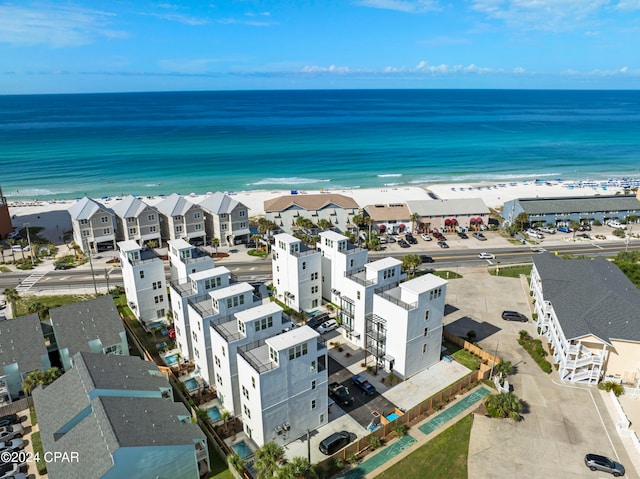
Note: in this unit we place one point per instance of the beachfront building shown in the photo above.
(226, 219)
(466, 214)
(339, 258)
(283, 380)
(337, 210)
(186, 259)
(197, 284)
(404, 327)
(137, 221)
(297, 273)
(562, 211)
(94, 226)
(6, 226)
(92, 326)
(118, 414)
(593, 326)
(181, 219)
(228, 333)
(213, 305)
(389, 218)
(144, 283)
(22, 350)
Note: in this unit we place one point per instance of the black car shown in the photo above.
(514, 316)
(463, 235)
(596, 462)
(9, 419)
(410, 239)
(403, 244)
(443, 244)
(426, 259)
(335, 442)
(315, 321)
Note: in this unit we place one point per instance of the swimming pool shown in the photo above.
(155, 324)
(392, 417)
(214, 413)
(191, 384)
(171, 360)
(242, 449)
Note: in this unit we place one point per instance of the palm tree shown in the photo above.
(415, 217)
(575, 226)
(504, 367)
(38, 307)
(215, 242)
(267, 460)
(256, 239)
(504, 405)
(153, 244)
(411, 262)
(521, 221)
(13, 297)
(297, 468)
(324, 224)
(239, 464)
(225, 416)
(12, 242)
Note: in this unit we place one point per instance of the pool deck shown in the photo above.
(417, 436)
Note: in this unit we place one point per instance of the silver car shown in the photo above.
(596, 462)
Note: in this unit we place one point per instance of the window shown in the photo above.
(313, 404)
(242, 213)
(314, 276)
(152, 229)
(84, 222)
(253, 382)
(141, 274)
(217, 360)
(223, 351)
(85, 233)
(156, 284)
(160, 314)
(177, 218)
(111, 350)
(151, 217)
(198, 227)
(178, 228)
(313, 365)
(196, 215)
(193, 334)
(351, 263)
(104, 219)
(245, 392)
(314, 289)
(426, 315)
(321, 418)
(219, 379)
(243, 224)
(313, 384)
(106, 231)
(158, 299)
(299, 350)
(132, 231)
(229, 302)
(426, 331)
(246, 410)
(304, 265)
(241, 327)
(424, 348)
(358, 295)
(223, 226)
(197, 354)
(263, 323)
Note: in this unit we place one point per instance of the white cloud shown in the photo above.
(553, 15)
(179, 18)
(623, 71)
(444, 69)
(518, 70)
(329, 69)
(628, 5)
(407, 6)
(56, 26)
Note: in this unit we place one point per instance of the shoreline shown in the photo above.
(53, 217)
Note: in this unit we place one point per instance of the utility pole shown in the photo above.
(495, 358)
(93, 274)
(26, 225)
(106, 276)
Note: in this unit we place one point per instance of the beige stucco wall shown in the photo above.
(623, 361)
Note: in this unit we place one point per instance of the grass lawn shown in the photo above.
(444, 274)
(49, 302)
(467, 359)
(444, 457)
(512, 271)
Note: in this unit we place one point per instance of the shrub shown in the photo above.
(619, 233)
(374, 442)
(399, 429)
(352, 459)
(471, 335)
(617, 388)
(504, 405)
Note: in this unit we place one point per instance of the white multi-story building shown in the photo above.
(214, 304)
(181, 219)
(225, 218)
(144, 282)
(198, 284)
(404, 328)
(297, 273)
(186, 259)
(94, 227)
(137, 221)
(283, 384)
(228, 333)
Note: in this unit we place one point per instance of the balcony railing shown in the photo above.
(248, 353)
(353, 276)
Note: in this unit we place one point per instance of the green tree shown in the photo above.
(225, 416)
(504, 405)
(575, 226)
(256, 239)
(324, 224)
(504, 367)
(415, 217)
(13, 297)
(37, 378)
(153, 244)
(410, 263)
(215, 242)
(38, 307)
(267, 460)
(617, 388)
(297, 468)
(239, 464)
(521, 222)
(373, 242)
(399, 429)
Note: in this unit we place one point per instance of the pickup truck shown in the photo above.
(363, 384)
(340, 394)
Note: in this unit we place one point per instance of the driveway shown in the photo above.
(562, 422)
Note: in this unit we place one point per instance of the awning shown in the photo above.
(242, 232)
(454, 221)
(401, 226)
(382, 228)
(472, 220)
(447, 222)
(478, 220)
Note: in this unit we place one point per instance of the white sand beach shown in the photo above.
(54, 218)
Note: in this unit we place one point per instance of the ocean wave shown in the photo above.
(389, 175)
(35, 192)
(287, 181)
(474, 178)
(391, 184)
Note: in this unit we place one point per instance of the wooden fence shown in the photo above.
(488, 359)
(17, 406)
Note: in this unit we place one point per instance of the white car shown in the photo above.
(425, 237)
(485, 256)
(617, 225)
(327, 326)
(534, 234)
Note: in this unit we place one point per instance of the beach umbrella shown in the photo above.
(454, 221)
(447, 222)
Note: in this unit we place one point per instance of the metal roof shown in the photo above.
(573, 204)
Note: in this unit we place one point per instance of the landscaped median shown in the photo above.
(536, 350)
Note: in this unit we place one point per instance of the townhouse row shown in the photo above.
(96, 227)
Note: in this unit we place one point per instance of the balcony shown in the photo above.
(357, 275)
(257, 355)
(389, 293)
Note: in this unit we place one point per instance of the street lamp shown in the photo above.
(106, 276)
(495, 358)
(26, 225)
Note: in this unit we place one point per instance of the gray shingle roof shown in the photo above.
(22, 342)
(174, 205)
(539, 206)
(84, 209)
(219, 203)
(129, 207)
(590, 297)
(77, 324)
(461, 206)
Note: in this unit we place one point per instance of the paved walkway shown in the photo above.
(417, 437)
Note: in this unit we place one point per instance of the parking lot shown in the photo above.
(27, 467)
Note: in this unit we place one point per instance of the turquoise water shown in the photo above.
(191, 384)
(386, 454)
(242, 449)
(171, 360)
(155, 324)
(214, 413)
(63, 146)
(392, 417)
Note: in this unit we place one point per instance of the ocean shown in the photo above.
(66, 146)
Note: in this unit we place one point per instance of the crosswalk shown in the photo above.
(27, 283)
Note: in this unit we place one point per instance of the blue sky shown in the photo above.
(96, 46)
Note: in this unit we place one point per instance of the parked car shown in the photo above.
(10, 470)
(410, 239)
(315, 321)
(9, 420)
(13, 235)
(403, 243)
(534, 234)
(10, 432)
(390, 239)
(463, 235)
(327, 326)
(617, 225)
(16, 248)
(479, 236)
(485, 256)
(564, 229)
(426, 259)
(382, 239)
(12, 445)
(425, 237)
(596, 462)
(514, 316)
(364, 385)
(585, 227)
(443, 244)
(548, 230)
(335, 442)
